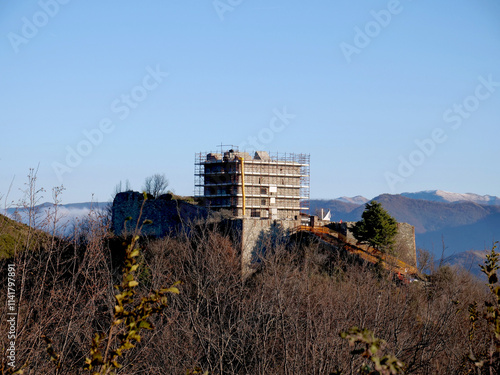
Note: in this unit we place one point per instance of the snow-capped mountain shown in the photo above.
(457, 223)
(448, 197)
(358, 199)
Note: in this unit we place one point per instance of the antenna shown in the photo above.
(234, 147)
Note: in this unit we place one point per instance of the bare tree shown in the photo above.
(283, 319)
(121, 187)
(156, 185)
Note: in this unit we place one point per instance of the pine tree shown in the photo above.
(376, 227)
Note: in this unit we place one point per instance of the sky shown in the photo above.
(386, 96)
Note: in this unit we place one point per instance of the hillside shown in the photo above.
(15, 236)
(429, 216)
(462, 225)
(467, 260)
(294, 301)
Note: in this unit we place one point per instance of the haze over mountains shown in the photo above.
(459, 222)
(67, 215)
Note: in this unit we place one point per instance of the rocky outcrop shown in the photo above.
(167, 214)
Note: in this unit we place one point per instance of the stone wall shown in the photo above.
(251, 235)
(344, 228)
(404, 246)
(166, 213)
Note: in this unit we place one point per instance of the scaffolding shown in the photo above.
(265, 185)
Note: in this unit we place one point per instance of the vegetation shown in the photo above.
(13, 237)
(372, 347)
(120, 188)
(489, 357)
(284, 319)
(376, 227)
(156, 185)
(129, 318)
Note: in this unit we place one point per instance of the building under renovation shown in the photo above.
(258, 191)
(264, 190)
(262, 186)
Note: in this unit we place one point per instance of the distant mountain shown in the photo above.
(358, 199)
(460, 226)
(340, 210)
(428, 216)
(445, 196)
(468, 260)
(67, 214)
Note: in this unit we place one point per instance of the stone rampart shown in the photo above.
(166, 214)
(404, 246)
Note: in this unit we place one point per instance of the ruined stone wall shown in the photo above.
(166, 214)
(249, 234)
(344, 228)
(404, 245)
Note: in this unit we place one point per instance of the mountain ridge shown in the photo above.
(446, 196)
(459, 225)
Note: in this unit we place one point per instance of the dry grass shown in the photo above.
(286, 319)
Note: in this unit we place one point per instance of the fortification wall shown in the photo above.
(248, 234)
(166, 214)
(404, 245)
(252, 235)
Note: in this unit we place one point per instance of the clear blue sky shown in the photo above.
(357, 85)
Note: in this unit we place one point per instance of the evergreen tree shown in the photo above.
(376, 227)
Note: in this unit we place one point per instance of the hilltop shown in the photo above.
(463, 222)
(461, 225)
